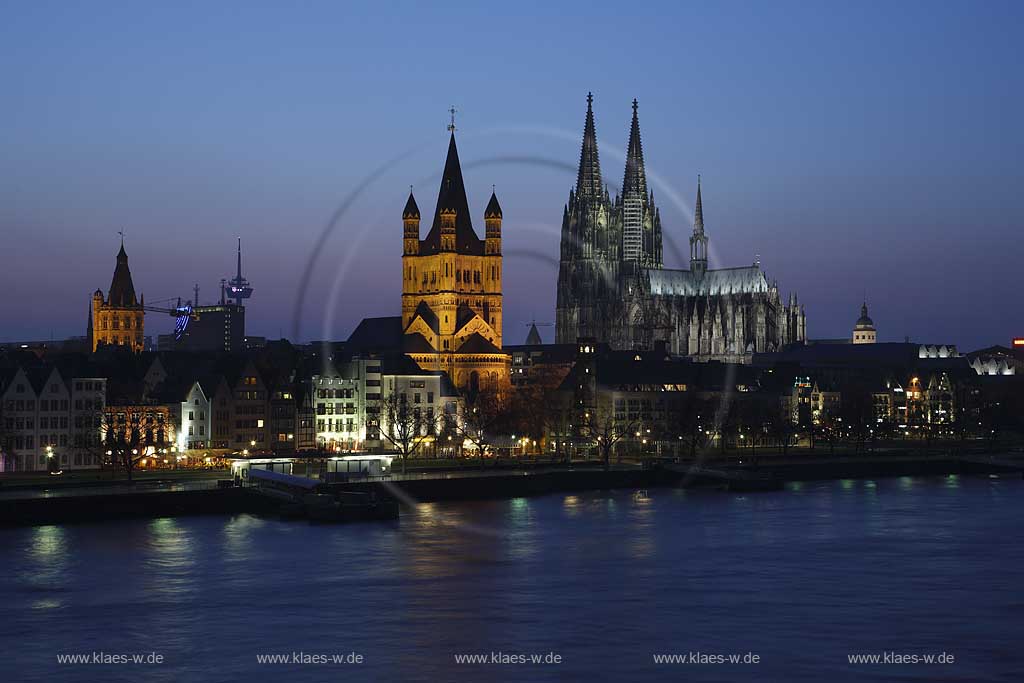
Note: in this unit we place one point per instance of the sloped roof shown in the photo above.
(477, 344)
(887, 355)
(743, 280)
(427, 314)
(122, 290)
(416, 343)
(376, 334)
(463, 314)
(493, 209)
(411, 210)
(452, 195)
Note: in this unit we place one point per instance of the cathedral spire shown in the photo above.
(635, 179)
(698, 240)
(588, 183)
(698, 212)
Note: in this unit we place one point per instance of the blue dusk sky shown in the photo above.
(857, 147)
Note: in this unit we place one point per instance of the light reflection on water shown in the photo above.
(48, 562)
(800, 576)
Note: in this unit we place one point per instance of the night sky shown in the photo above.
(858, 148)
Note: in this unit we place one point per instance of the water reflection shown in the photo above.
(47, 568)
(598, 577)
(240, 536)
(168, 569)
(641, 517)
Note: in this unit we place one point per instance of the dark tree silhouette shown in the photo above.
(403, 426)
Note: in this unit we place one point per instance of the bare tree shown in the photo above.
(751, 416)
(692, 413)
(403, 426)
(828, 430)
(537, 409)
(607, 429)
(781, 426)
(858, 414)
(482, 411)
(557, 420)
(127, 432)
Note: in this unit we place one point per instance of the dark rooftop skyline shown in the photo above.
(858, 150)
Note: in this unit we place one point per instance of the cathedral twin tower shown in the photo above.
(613, 286)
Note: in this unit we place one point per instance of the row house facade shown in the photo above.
(48, 422)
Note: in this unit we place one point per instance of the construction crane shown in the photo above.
(183, 314)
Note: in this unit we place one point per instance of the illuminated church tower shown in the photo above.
(451, 286)
(118, 320)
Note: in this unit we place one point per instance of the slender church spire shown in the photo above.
(635, 179)
(637, 237)
(698, 212)
(698, 240)
(588, 183)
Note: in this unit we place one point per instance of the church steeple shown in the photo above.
(698, 240)
(122, 290)
(588, 182)
(698, 212)
(635, 178)
(639, 243)
(452, 206)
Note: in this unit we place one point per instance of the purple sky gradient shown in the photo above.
(857, 147)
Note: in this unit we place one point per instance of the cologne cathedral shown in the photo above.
(613, 287)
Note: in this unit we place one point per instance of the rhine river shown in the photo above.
(604, 581)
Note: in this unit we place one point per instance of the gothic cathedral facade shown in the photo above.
(613, 287)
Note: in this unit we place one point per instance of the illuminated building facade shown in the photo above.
(864, 331)
(118, 319)
(613, 286)
(451, 287)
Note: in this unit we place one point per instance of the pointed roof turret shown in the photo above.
(493, 209)
(452, 196)
(588, 182)
(411, 210)
(635, 178)
(533, 338)
(865, 322)
(122, 290)
(698, 212)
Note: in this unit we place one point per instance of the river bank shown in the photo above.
(147, 499)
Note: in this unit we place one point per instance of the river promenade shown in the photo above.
(27, 503)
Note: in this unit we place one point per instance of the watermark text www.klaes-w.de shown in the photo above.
(698, 657)
(894, 657)
(302, 657)
(101, 657)
(500, 657)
